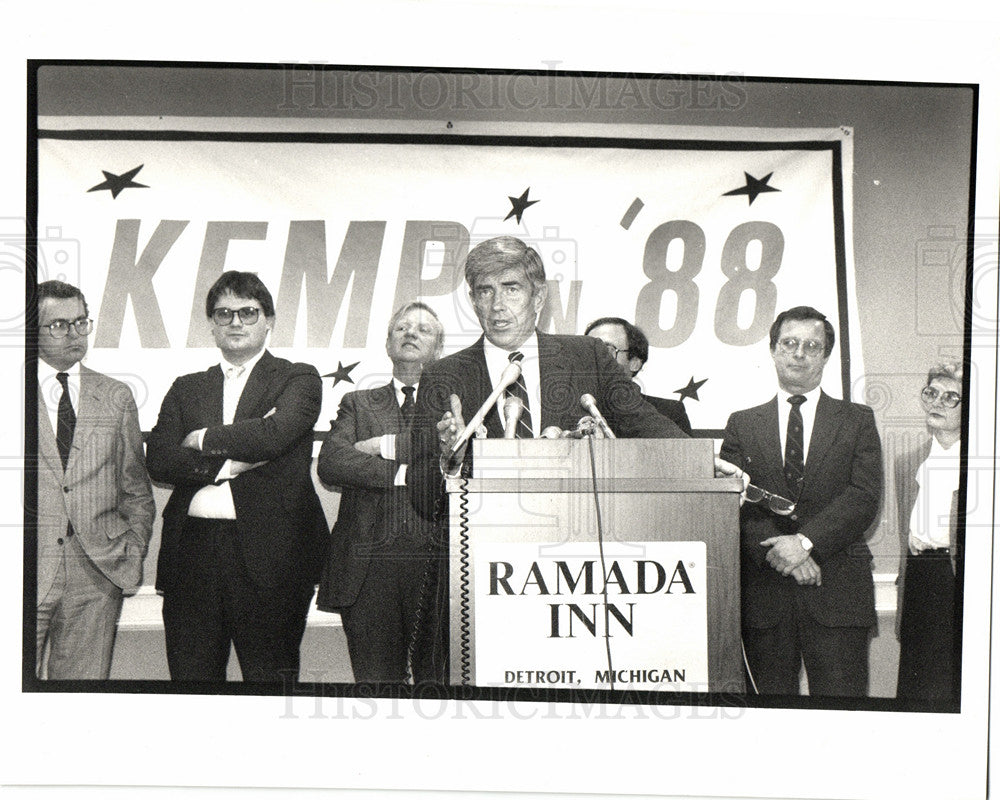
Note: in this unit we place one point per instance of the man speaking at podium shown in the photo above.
(507, 287)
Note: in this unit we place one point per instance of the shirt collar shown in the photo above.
(529, 348)
(938, 452)
(247, 365)
(397, 388)
(812, 396)
(48, 372)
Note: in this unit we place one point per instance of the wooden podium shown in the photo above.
(538, 599)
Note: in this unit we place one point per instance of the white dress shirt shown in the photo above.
(51, 391)
(387, 444)
(930, 520)
(215, 501)
(497, 360)
(808, 409)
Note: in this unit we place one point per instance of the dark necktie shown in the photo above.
(794, 461)
(65, 420)
(408, 405)
(520, 390)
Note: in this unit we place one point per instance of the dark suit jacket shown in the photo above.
(673, 409)
(372, 510)
(104, 490)
(569, 366)
(841, 495)
(283, 531)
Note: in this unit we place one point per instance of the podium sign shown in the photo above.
(542, 614)
(532, 601)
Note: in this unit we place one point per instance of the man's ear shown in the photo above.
(541, 295)
(634, 365)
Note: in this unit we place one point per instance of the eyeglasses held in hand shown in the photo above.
(774, 502)
(224, 316)
(811, 347)
(59, 329)
(930, 395)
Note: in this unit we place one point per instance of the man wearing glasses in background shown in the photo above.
(807, 590)
(243, 532)
(95, 504)
(629, 346)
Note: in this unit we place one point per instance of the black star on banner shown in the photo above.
(754, 186)
(518, 205)
(117, 183)
(691, 390)
(342, 373)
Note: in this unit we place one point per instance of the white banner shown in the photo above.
(698, 236)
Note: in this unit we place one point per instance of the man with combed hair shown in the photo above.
(807, 590)
(244, 535)
(95, 503)
(506, 281)
(629, 346)
(377, 576)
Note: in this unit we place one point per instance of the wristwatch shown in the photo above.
(807, 545)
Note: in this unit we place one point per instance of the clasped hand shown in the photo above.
(789, 557)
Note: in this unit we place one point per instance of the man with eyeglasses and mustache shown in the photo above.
(807, 590)
(95, 503)
(243, 532)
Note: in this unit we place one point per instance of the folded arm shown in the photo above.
(295, 409)
(167, 459)
(342, 464)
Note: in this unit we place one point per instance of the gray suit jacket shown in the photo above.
(104, 491)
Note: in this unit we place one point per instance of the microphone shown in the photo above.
(588, 402)
(512, 410)
(584, 427)
(510, 374)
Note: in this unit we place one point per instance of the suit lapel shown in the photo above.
(91, 412)
(768, 440)
(210, 399)
(255, 388)
(552, 371)
(825, 426)
(385, 409)
(479, 383)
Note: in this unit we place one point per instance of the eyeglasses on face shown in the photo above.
(775, 502)
(615, 351)
(59, 328)
(930, 395)
(224, 316)
(811, 347)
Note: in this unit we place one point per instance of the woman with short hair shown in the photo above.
(927, 494)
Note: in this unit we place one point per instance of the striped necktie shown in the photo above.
(520, 390)
(794, 461)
